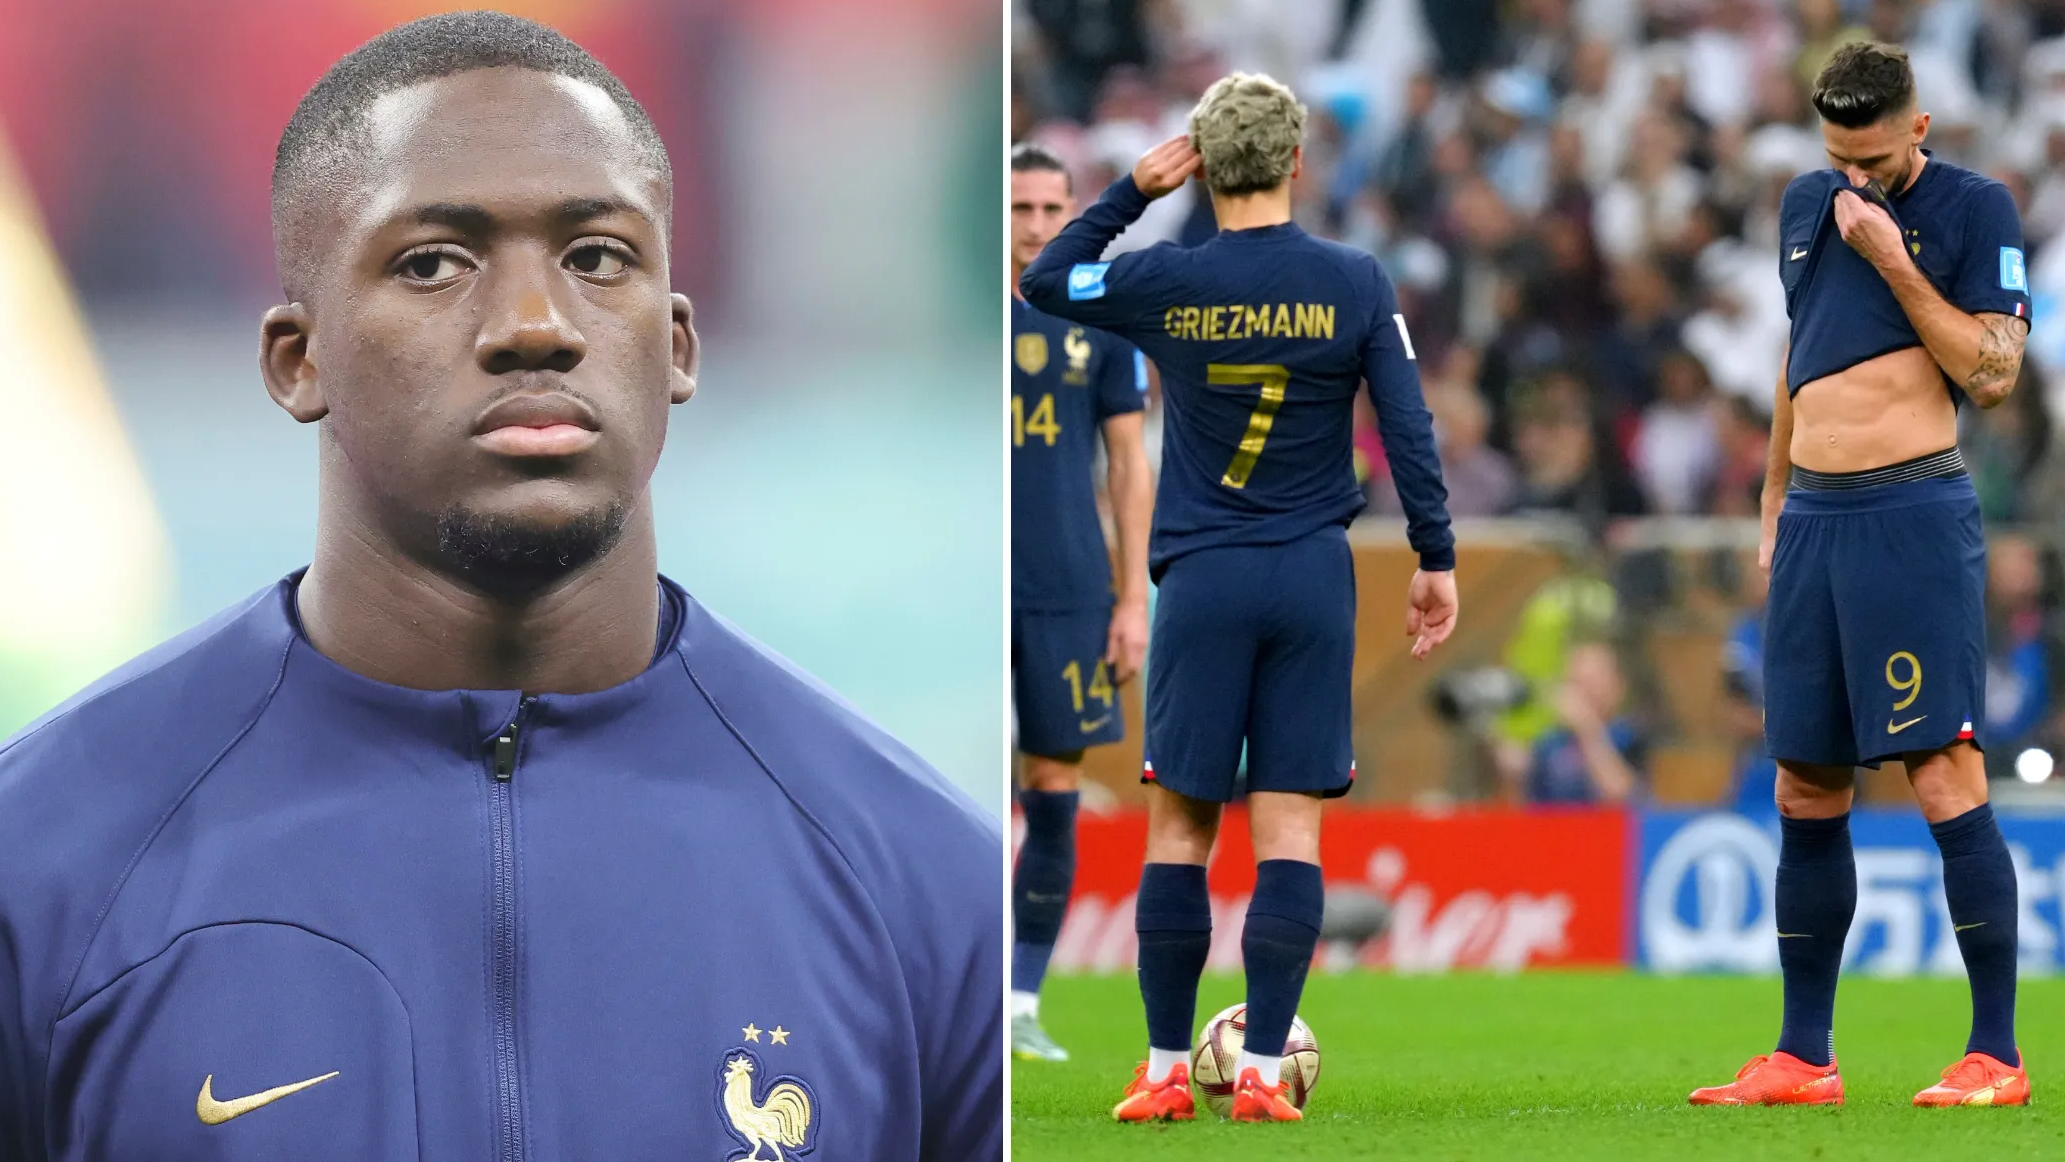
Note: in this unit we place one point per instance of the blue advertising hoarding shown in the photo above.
(1703, 901)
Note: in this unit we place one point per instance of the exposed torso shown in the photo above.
(1889, 408)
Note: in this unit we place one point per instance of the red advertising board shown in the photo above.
(1406, 890)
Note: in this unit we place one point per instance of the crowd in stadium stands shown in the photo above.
(1578, 202)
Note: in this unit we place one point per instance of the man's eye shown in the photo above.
(597, 260)
(431, 266)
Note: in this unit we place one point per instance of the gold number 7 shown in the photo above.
(1272, 378)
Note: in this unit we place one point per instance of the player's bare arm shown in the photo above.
(1130, 483)
(1981, 353)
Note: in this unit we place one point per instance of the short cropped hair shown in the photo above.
(1029, 157)
(1864, 82)
(1246, 126)
(329, 131)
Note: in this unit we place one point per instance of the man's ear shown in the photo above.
(688, 352)
(1921, 128)
(1297, 161)
(284, 360)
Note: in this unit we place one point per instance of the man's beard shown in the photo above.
(511, 559)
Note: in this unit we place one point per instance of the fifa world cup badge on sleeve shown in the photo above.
(1086, 280)
(2013, 275)
(773, 1117)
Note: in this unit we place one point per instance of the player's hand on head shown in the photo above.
(1430, 610)
(1164, 169)
(1869, 230)
(1125, 647)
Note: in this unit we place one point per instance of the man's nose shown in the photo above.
(526, 327)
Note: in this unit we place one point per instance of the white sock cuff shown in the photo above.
(1270, 1068)
(1161, 1061)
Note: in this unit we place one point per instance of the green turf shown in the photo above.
(1550, 1066)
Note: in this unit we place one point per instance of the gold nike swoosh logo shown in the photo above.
(1088, 727)
(1963, 927)
(1892, 729)
(214, 1113)
(1797, 254)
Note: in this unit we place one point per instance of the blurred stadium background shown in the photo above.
(1578, 201)
(834, 486)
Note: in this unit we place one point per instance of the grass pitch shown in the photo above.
(1552, 1066)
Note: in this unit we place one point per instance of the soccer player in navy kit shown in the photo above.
(1905, 283)
(478, 838)
(1075, 636)
(1262, 335)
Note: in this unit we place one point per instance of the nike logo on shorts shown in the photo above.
(1892, 729)
(1796, 255)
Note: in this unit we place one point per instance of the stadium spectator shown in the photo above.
(1080, 40)
(1596, 754)
(2018, 680)
(1745, 447)
(1755, 781)
(1564, 464)
(1480, 480)
(2005, 449)
(1677, 449)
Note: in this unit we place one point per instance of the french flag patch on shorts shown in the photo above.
(1965, 733)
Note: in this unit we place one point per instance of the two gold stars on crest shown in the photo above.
(775, 1036)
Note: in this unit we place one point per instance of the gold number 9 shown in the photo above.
(1913, 682)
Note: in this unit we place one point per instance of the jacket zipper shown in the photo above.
(502, 953)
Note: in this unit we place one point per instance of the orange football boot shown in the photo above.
(1978, 1080)
(1776, 1079)
(1167, 1100)
(1256, 1102)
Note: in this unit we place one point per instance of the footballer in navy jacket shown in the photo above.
(477, 839)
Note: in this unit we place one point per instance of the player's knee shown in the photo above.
(1947, 783)
(1807, 791)
(1053, 773)
(1180, 829)
(1284, 825)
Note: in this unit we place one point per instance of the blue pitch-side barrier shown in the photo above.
(1702, 899)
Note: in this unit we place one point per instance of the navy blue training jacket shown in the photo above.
(255, 906)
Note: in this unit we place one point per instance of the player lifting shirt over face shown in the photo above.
(1263, 335)
(1904, 279)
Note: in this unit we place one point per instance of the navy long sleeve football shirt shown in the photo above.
(254, 906)
(1262, 337)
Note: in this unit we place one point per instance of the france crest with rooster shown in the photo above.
(773, 1116)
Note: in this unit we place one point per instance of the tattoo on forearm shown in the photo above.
(2000, 355)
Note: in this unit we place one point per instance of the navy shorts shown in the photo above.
(1875, 633)
(1254, 644)
(1060, 684)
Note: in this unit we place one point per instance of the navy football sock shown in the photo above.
(1276, 947)
(1979, 884)
(1817, 896)
(1040, 883)
(1173, 917)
